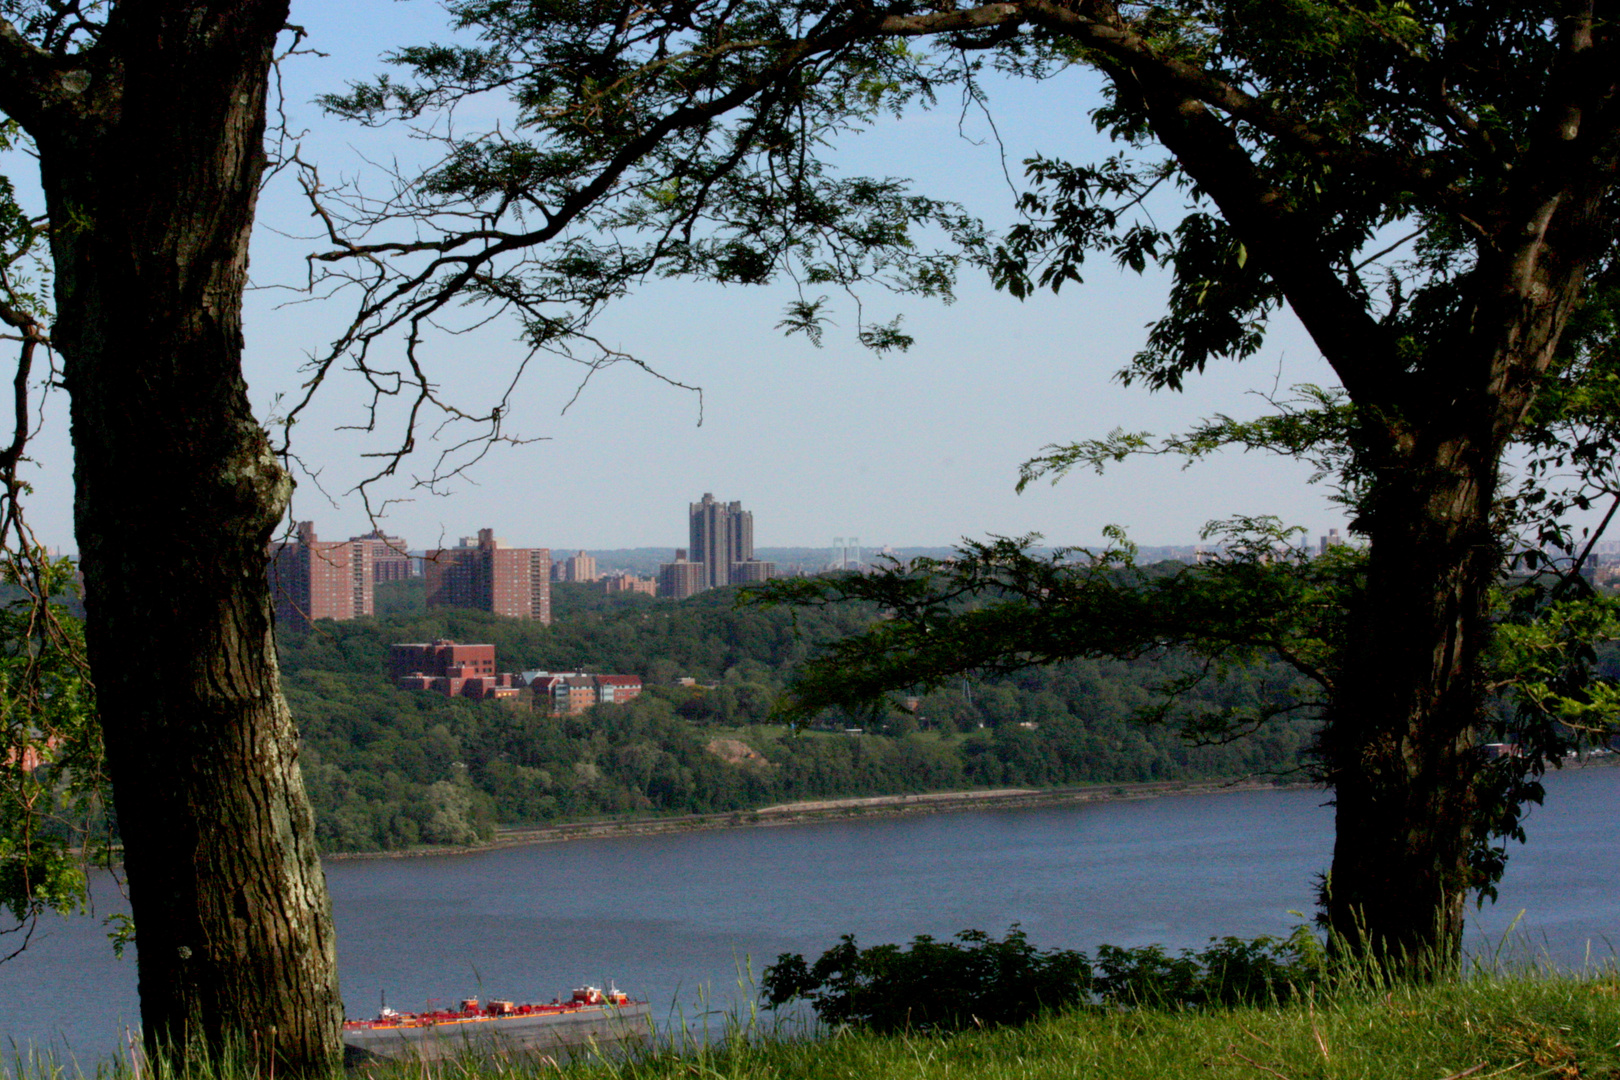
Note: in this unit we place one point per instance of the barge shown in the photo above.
(590, 1015)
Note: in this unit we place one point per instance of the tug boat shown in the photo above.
(495, 1026)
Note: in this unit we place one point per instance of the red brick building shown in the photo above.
(572, 694)
(440, 658)
(444, 667)
(311, 579)
(617, 689)
(622, 583)
(487, 575)
(389, 562)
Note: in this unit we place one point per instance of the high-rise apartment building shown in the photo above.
(720, 534)
(681, 578)
(577, 567)
(485, 574)
(311, 579)
(389, 561)
(722, 543)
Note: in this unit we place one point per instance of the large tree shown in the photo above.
(1427, 186)
(148, 117)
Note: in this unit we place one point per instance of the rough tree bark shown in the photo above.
(1399, 744)
(151, 152)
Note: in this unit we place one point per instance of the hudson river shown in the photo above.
(681, 918)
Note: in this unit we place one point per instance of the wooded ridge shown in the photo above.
(389, 769)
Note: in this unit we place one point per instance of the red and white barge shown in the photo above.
(498, 1026)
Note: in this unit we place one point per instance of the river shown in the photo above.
(681, 918)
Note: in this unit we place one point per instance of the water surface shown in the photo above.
(681, 918)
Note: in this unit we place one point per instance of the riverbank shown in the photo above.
(803, 813)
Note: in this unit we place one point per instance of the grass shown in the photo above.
(1523, 1025)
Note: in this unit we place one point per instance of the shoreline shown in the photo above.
(875, 806)
(810, 812)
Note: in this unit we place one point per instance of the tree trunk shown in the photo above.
(151, 201)
(1399, 743)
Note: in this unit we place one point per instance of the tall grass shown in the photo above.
(1530, 1023)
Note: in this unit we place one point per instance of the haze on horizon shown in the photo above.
(911, 450)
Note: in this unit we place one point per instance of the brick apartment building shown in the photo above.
(681, 578)
(623, 583)
(313, 579)
(486, 575)
(751, 572)
(389, 561)
(444, 667)
(577, 567)
(570, 694)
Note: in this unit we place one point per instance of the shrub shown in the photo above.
(1232, 971)
(974, 980)
(977, 981)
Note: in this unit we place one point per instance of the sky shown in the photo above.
(912, 449)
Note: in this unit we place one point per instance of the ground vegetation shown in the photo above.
(1524, 1023)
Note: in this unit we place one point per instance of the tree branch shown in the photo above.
(1287, 243)
(1110, 36)
(36, 88)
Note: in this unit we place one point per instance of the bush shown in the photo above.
(931, 985)
(1231, 972)
(977, 981)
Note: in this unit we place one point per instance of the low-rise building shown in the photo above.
(451, 669)
(571, 693)
(752, 572)
(617, 689)
(629, 583)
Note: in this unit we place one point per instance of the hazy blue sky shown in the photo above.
(919, 448)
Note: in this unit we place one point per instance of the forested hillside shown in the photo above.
(389, 768)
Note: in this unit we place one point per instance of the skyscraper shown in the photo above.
(312, 580)
(722, 542)
(487, 575)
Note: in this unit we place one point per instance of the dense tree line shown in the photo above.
(388, 768)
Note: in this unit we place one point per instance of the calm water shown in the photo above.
(677, 918)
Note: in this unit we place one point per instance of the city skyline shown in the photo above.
(393, 555)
